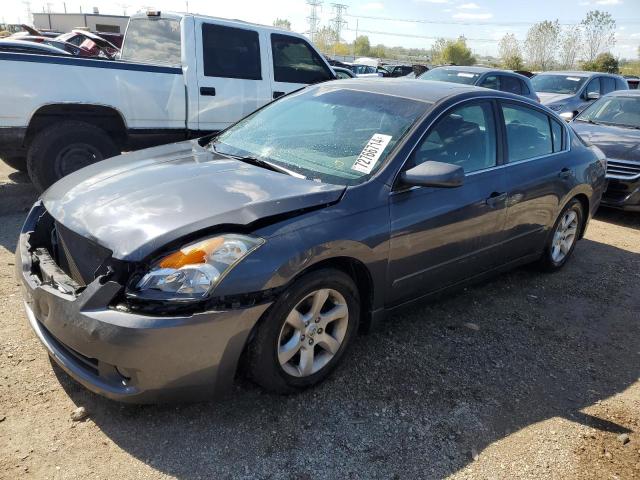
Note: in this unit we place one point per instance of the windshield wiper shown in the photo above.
(258, 162)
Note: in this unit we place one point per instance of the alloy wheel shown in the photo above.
(565, 236)
(313, 332)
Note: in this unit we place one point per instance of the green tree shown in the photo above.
(361, 45)
(570, 46)
(605, 62)
(510, 55)
(452, 51)
(282, 23)
(541, 44)
(599, 33)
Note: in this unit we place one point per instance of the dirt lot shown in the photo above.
(528, 376)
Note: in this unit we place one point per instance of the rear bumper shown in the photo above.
(12, 141)
(132, 357)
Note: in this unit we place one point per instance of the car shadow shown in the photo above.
(619, 217)
(417, 396)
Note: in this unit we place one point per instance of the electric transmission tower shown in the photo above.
(313, 18)
(338, 21)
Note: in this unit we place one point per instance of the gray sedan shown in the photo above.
(149, 275)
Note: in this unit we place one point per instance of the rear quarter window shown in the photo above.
(152, 40)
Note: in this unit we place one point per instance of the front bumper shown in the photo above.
(623, 194)
(132, 357)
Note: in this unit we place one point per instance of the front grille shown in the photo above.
(77, 256)
(623, 169)
(89, 364)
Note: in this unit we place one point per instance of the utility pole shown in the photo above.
(27, 4)
(338, 22)
(313, 18)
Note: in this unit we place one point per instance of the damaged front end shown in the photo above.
(74, 292)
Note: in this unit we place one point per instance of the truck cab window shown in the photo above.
(152, 40)
(230, 52)
(295, 62)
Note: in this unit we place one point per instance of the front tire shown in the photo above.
(63, 148)
(564, 236)
(305, 334)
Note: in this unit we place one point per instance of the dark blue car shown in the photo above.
(147, 276)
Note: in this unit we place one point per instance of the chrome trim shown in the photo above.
(540, 108)
(615, 163)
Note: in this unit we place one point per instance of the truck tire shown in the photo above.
(17, 163)
(65, 147)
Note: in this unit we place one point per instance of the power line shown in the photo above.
(471, 22)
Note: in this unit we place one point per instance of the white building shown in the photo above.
(65, 22)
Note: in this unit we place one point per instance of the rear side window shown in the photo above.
(294, 61)
(152, 40)
(557, 137)
(510, 84)
(607, 84)
(490, 81)
(466, 136)
(230, 52)
(525, 88)
(528, 132)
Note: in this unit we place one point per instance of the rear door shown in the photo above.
(233, 79)
(295, 64)
(539, 171)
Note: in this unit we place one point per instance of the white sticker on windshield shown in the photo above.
(465, 74)
(574, 79)
(371, 153)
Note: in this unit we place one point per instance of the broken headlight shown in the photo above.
(192, 272)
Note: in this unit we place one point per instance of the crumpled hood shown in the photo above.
(136, 203)
(549, 98)
(615, 142)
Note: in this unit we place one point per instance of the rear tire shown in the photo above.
(17, 163)
(318, 343)
(63, 148)
(563, 237)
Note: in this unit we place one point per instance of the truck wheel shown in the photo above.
(63, 148)
(17, 163)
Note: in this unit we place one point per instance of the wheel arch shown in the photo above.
(105, 117)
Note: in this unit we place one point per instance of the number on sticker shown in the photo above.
(371, 153)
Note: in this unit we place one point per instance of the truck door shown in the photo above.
(233, 78)
(295, 64)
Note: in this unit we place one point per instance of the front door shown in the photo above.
(233, 78)
(440, 236)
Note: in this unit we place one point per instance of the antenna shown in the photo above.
(313, 18)
(338, 21)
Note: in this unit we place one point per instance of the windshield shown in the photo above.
(567, 85)
(450, 75)
(152, 40)
(622, 111)
(333, 136)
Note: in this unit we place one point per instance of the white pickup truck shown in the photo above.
(178, 76)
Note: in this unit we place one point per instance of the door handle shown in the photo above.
(495, 198)
(565, 173)
(277, 94)
(208, 91)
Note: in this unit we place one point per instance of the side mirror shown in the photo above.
(567, 116)
(434, 174)
(593, 96)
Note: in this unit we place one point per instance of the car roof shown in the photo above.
(412, 89)
(480, 69)
(577, 73)
(624, 93)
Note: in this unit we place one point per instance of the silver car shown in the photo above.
(568, 93)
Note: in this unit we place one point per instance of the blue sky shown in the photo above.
(482, 21)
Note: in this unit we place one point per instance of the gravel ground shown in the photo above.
(527, 376)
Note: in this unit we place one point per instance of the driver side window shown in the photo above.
(465, 136)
